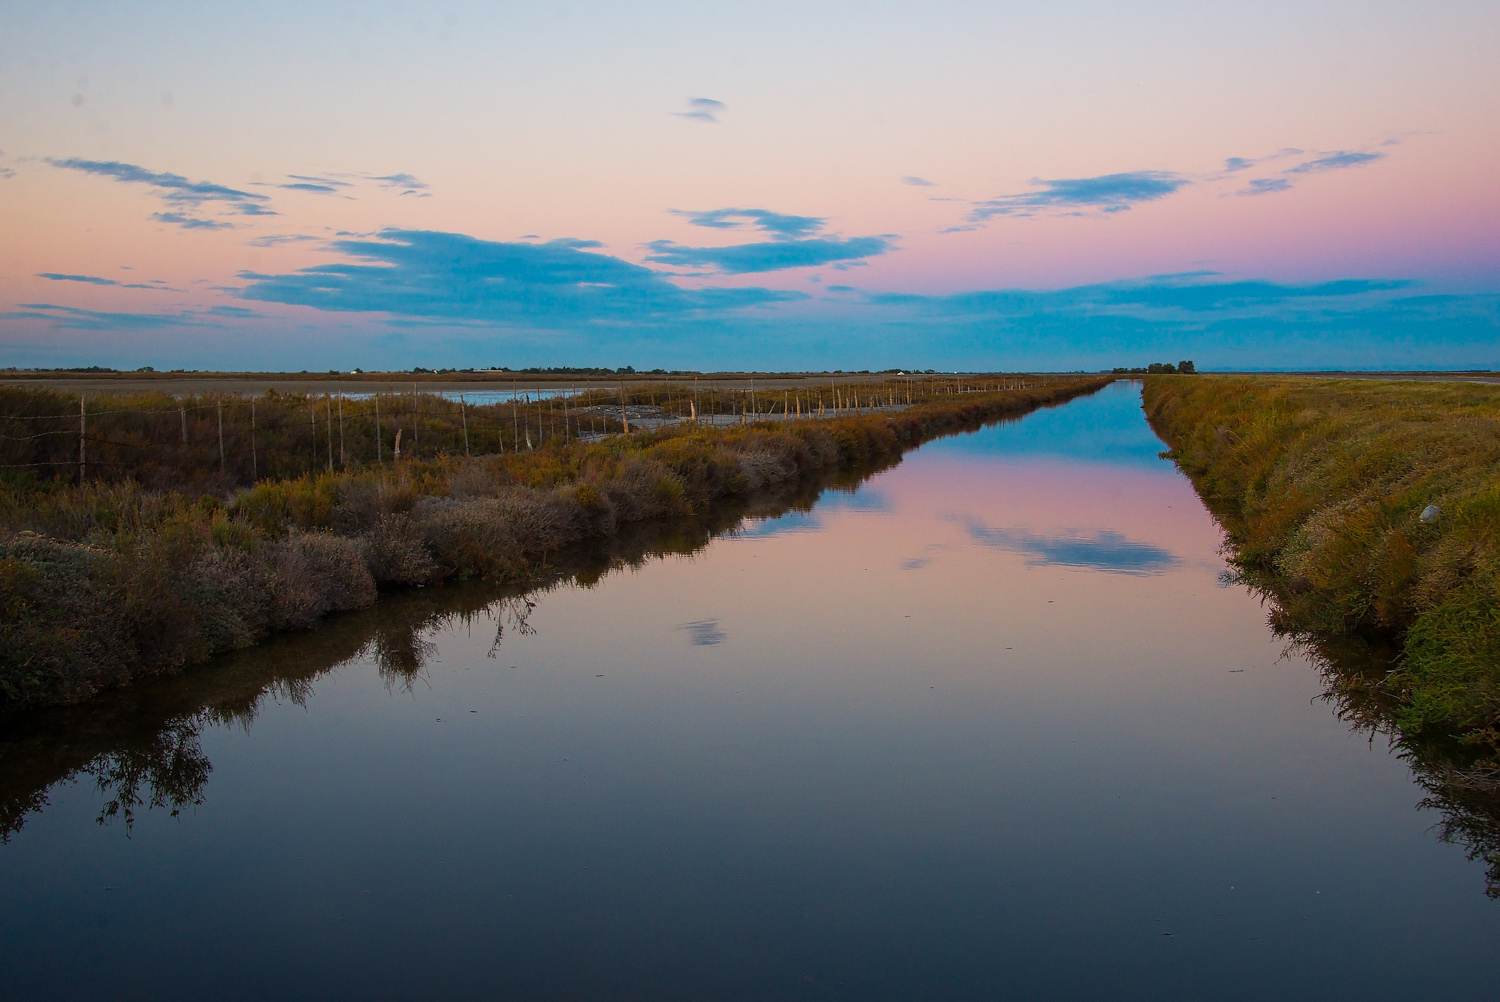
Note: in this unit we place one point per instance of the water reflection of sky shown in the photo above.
(1104, 428)
(986, 728)
(1103, 431)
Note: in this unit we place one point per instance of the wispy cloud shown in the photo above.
(173, 188)
(277, 239)
(54, 276)
(182, 196)
(314, 183)
(779, 225)
(1163, 297)
(1265, 186)
(1336, 161)
(793, 244)
(403, 184)
(399, 181)
(1079, 195)
(1233, 165)
(72, 318)
(416, 273)
(1319, 164)
(703, 109)
(190, 222)
(919, 182)
(773, 255)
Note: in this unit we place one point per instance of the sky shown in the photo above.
(779, 186)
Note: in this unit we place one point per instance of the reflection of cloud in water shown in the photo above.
(915, 563)
(862, 500)
(793, 521)
(704, 633)
(1104, 550)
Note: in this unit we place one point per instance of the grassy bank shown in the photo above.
(134, 575)
(1321, 486)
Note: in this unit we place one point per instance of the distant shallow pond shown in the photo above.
(988, 726)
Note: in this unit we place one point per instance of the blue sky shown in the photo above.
(972, 186)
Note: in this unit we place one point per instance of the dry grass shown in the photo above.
(1321, 485)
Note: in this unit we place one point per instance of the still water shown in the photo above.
(988, 726)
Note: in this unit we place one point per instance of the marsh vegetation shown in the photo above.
(169, 551)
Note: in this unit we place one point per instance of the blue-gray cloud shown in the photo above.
(779, 225)
(1335, 161)
(702, 109)
(1192, 292)
(72, 318)
(183, 197)
(173, 188)
(793, 244)
(190, 222)
(54, 276)
(774, 255)
(416, 273)
(1105, 550)
(276, 239)
(1265, 186)
(1341, 160)
(920, 182)
(406, 184)
(310, 182)
(1071, 196)
(399, 181)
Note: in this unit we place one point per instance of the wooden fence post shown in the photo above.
(254, 465)
(464, 416)
(82, 431)
(221, 437)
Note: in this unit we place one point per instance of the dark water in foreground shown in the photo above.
(988, 727)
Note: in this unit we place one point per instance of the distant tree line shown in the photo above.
(1185, 367)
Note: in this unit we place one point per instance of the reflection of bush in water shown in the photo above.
(171, 770)
(142, 746)
(1461, 785)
